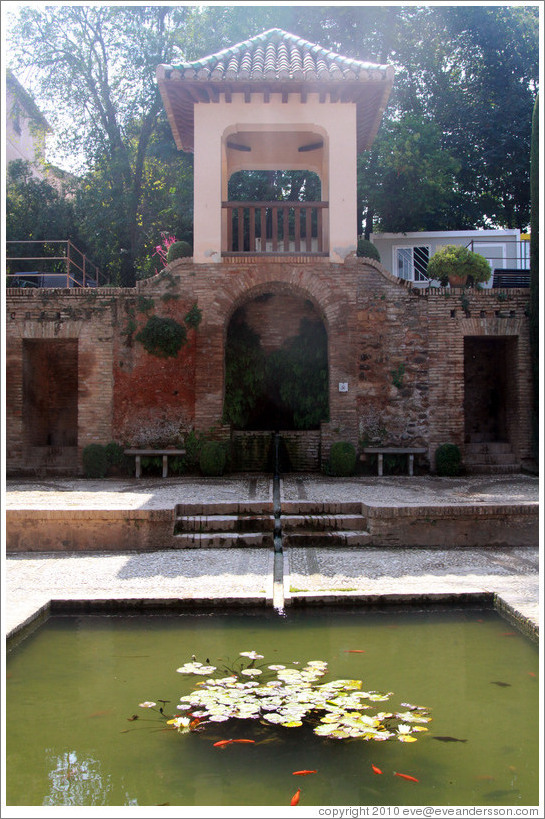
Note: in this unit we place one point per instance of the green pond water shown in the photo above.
(75, 683)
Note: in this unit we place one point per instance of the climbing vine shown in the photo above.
(289, 387)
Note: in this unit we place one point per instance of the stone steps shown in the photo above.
(487, 457)
(252, 524)
(227, 540)
(313, 537)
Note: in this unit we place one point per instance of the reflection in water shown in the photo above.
(74, 781)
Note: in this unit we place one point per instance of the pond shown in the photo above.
(75, 684)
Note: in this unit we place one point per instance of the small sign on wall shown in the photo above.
(343, 386)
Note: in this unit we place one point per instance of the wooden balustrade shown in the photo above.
(275, 227)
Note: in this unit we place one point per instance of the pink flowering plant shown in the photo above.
(161, 250)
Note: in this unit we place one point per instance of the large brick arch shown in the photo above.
(332, 296)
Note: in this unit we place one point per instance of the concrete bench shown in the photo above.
(409, 451)
(153, 453)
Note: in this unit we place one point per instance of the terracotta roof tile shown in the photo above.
(277, 54)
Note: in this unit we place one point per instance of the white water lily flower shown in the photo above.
(253, 655)
(147, 704)
(180, 723)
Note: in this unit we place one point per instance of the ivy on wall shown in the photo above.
(286, 389)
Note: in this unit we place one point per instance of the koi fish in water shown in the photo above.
(406, 776)
(295, 797)
(252, 741)
(376, 770)
(355, 651)
(303, 773)
(222, 743)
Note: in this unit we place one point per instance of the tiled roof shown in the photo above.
(278, 55)
(271, 63)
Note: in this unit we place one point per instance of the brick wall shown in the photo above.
(400, 351)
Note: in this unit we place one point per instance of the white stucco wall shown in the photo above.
(336, 165)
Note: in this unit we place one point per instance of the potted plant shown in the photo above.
(458, 266)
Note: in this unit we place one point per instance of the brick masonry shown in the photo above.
(400, 350)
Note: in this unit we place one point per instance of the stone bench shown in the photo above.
(153, 453)
(409, 451)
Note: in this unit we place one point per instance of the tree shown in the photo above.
(534, 273)
(408, 180)
(466, 79)
(98, 65)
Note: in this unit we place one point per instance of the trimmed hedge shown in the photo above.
(95, 461)
(448, 460)
(179, 250)
(367, 249)
(212, 459)
(342, 459)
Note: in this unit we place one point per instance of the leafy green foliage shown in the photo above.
(244, 373)
(95, 461)
(179, 250)
(193, 317)
(368, 250)
(35, 210)
(448, 460)
(397, 375)
(289, 697)
(212, 459)
(287, 388)
(297, 376)
(342, 459)
(162, 337)
(534, 276)
(456, 260)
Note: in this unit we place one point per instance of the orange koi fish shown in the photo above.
(222, 743)
(252, 741)
(531, 674)
(406, 776)
(355, 651)
(303, 773)
(295, 797)
(376, 770)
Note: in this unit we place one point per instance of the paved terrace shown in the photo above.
(245, 575)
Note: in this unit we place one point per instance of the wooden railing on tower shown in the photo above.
(275, 227)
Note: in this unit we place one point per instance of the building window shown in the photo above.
(411, 263)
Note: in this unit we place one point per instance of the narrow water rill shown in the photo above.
(278, 575)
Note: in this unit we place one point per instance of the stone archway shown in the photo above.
(276, 379)
(276, 364)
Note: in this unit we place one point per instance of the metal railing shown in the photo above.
(275, 227)
(71, 269)
(503, 254)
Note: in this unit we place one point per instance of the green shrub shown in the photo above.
(458, 261)
(95, 461)
(448, 460)
(212, 459)
(179, 250)
(342, 459)
(162, 337)
(193, 317)
(115, 454)
(368, 249)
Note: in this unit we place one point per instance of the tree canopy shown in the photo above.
(452, 152)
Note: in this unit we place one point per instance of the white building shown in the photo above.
(407, 254)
